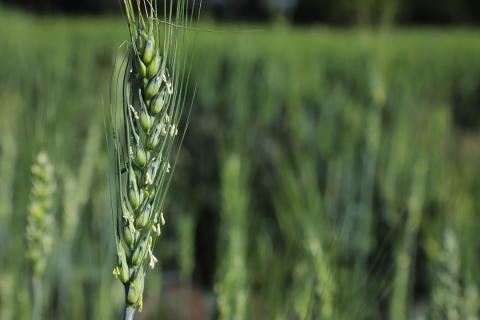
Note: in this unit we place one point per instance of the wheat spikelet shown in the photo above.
(153, 96)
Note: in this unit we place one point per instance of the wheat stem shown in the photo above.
(37, 298)
(129, 312)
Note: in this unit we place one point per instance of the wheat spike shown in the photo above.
(40, 221)
(40, 226)
(153, 96)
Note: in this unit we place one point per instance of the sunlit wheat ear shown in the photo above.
(40, 221)
(144, 134)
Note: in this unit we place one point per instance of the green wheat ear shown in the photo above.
(153, 92)
(40, 226)
(40, 220)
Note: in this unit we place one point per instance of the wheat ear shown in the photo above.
(40, 225)
(153, 95)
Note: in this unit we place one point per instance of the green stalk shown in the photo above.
(37, 298)
(129, 312)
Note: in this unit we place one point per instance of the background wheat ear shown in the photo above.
(40, 225)
(152, 101)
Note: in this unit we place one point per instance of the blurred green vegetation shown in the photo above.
(326, 174)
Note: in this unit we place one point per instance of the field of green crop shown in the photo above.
(326, 174)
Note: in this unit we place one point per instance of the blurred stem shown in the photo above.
(37, 298)
(406, 254)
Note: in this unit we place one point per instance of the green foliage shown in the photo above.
(328, 170)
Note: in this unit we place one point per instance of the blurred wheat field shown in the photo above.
(326, 174)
